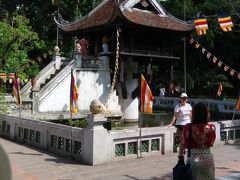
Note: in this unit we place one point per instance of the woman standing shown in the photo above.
(203, 137)
(182, 113)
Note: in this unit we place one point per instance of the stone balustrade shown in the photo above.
(95, 144)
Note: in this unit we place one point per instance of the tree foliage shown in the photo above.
(16, 41)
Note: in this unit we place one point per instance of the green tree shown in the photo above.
(17, 39)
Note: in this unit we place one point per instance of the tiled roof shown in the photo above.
(103, 14)
(154, 20)
(108, 10)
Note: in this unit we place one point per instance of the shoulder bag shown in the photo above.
(183, 171)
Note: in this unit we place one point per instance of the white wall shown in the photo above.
(91, 85)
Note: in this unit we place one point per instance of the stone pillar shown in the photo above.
(130, 104)
(56, 57)
(96, 141)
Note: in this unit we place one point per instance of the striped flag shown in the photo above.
(16, 90)
(73, 95)
(225, 23)
(3, 76)
(238, 102)
(201, 25)
(220, 88)
(146, 96)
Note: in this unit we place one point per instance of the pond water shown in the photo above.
(162, 119)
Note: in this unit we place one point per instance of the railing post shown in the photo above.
(56, 57)
(96, 141)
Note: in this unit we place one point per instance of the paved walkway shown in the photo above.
(32, 164)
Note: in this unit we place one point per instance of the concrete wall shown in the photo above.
(91, 85)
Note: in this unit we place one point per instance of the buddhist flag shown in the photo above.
(3, 76)
(73, 95)
(220, 88)
(16, 90)
(201, 25)
(225, 23)
(238, 102)
(146, 96)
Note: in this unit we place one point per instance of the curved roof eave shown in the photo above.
(104, 13)
(156, 20)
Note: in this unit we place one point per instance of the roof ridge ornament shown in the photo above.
(129, 4)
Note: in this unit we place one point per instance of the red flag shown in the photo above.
(146, 96)
(73, 95)
(16, 90)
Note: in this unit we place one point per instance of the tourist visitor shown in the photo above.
(84, 46)
(5, 168)
(203, 137)
(182, 116)
(182, 113)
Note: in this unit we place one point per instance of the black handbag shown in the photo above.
(183, 171)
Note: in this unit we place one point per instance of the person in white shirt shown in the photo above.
(182, 115)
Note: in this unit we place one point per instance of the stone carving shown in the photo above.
(96, 107)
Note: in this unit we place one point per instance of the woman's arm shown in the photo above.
(174, 118)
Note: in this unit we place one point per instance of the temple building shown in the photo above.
(123, 37)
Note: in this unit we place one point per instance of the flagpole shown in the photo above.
(19, 111)
(140, 136)
(140, 117)
(71, 109)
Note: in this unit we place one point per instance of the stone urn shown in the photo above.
(96, 107)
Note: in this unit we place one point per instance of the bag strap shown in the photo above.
(190, 140)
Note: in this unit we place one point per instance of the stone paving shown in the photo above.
(32, 164)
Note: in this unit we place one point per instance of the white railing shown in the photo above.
(95, 145)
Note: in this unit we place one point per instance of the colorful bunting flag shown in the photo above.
(225, 23)
(201, 25)
(146, 96)
(16, 90)
(3, 76)
(73, 95)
